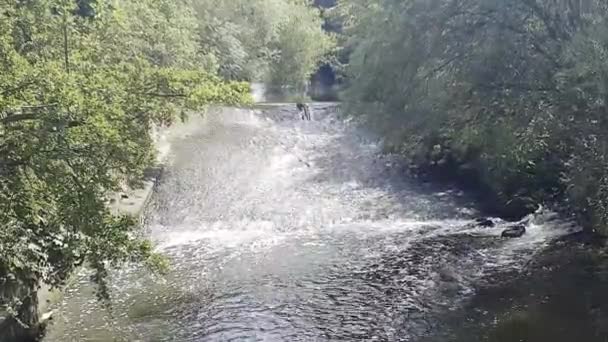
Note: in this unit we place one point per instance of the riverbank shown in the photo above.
(510, 198)
(130, 201)
(559, 296)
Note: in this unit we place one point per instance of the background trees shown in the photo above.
(511, 93)
(279, 42)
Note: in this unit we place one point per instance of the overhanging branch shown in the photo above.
(165, 95)
(19, 117)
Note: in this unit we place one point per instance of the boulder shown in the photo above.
(484, 222)
(514, 232)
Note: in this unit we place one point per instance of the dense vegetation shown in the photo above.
(279, 42)
(82, 83)
(509, 96)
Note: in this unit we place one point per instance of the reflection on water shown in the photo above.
(284, 230)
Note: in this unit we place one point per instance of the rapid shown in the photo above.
(279, 229)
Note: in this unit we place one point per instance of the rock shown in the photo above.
(124, 196)
(447, 274)
(484, 222)
(514, 232)
(47, 317)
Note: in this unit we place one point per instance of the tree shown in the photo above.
(301, 46)
(78, 97)
(256, 40)
(489, 90)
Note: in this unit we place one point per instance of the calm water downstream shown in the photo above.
(284, 230)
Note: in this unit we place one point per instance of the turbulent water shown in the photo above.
(284, 230)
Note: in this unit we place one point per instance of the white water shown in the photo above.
(283, 230)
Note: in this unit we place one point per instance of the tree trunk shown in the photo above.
(26, 326)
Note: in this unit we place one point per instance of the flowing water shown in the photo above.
(283, 230)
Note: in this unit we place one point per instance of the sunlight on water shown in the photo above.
(279, 229)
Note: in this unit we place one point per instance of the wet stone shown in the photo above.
(514, 232)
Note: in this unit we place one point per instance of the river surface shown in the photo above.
(283, 230)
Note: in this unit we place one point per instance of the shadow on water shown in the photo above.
(561, 297)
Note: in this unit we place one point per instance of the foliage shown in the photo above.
(509, 94)
(302, 44)
(278, 41)
(78, 97)
(174, 39)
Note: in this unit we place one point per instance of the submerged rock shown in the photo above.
(448, 274)
(514, 232)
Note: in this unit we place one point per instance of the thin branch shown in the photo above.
(74, 177)
(164, 95)
(17, 118)
(441, 66)
(516, 86)
(10, 117)
(66, 52)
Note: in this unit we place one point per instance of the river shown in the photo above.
(279, 229)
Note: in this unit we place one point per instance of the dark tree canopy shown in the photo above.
(510, 94)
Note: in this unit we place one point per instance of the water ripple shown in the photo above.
(283, 230)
